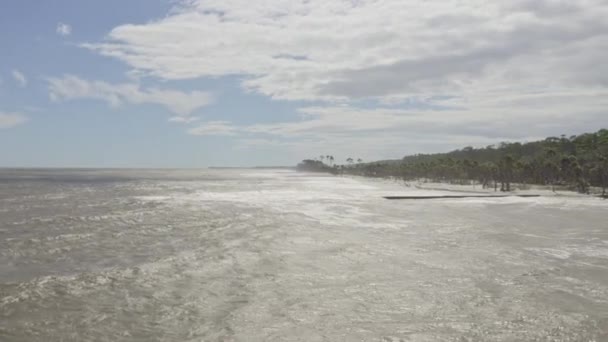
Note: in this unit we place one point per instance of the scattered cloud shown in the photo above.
(8, 120)
(388, 133)
(63, 29)
(183, 119)
(477, 71)
(214, 128)
(71, 87)
(344, 49)
(19, 78)
(516, 118)
(481, 71)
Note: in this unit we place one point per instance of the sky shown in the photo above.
(196, 83)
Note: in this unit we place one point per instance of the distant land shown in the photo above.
(251, 167)
(576, 162)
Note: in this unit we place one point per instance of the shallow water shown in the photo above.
(261, 255)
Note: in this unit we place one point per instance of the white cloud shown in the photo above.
(482, 71)
(390, 133)
(183, 119)
(72, 87)
(519, 118)
(214, 128)
(8, 120)
(63, 29)
(19, 78)
(329, 49)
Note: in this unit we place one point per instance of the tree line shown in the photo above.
(577, 162)
(326, 163)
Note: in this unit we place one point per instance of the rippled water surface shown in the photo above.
(256, 255)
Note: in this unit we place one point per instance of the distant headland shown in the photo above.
(578, 163)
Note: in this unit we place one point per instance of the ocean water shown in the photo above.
(275, 255)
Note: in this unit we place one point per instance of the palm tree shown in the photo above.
(550, 172)
(506, 172)
(490, 173)
(551, 167)
(600, 174)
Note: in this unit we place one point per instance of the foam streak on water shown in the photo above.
(244, 255)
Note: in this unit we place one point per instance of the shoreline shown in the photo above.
(476, 188)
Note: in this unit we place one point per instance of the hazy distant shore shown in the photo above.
(252, 167)
(476, 188)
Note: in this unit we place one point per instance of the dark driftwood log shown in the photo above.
(453, 196)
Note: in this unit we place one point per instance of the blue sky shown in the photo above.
(159, 83)
(88, 132)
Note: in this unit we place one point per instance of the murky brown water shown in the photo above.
(249, 255)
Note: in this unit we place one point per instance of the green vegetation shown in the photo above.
(576, 163)
(310, 165)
